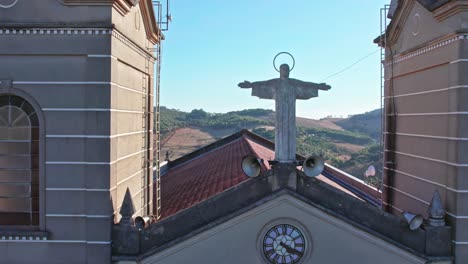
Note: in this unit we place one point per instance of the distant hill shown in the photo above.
(367, 123)
(172, 118)
(330, 123)
(346, 143)
(251, 118)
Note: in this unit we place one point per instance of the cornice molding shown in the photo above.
(128, 42)
(428, 48)
(450, 9)
(55, 31)
(396, 26)
(78, 31)
(440, 13)
(432, 5)
(153, 32)
(123, 7)
(87, 2)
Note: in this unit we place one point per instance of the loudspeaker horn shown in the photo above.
(414, 221)
(251, 166)
(142, 222)
(313, 166)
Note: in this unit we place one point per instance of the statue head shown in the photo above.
(284, 71)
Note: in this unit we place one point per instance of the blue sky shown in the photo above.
(212, 45)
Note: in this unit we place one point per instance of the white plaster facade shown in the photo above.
(238, 240)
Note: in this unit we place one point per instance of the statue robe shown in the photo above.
(285, 92)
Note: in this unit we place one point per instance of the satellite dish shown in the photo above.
(313, 166)
(251, 166)
(370, 172)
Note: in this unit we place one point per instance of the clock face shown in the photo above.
(284, 244)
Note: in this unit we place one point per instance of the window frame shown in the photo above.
(37, 163)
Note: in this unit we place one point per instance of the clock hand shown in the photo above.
(291, 250)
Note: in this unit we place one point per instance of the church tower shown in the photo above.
(76, 124)
(426, 111)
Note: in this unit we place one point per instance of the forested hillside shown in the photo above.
(352, 145)
(171, 119)
(367, 123)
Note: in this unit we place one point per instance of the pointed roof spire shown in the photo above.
(436, 211)
(127, 209)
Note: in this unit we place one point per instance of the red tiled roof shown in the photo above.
(199, 176)
(207, 175)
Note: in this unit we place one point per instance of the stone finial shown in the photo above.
(127, 209)
(436, 211)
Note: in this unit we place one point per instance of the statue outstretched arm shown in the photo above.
(259, 84)
(245, 84)
(307, 90)
(261, 89)
(318, 86)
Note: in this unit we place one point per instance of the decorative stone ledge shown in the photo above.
(22, 235)
(68, 31)
(427, 48)
(56, 31)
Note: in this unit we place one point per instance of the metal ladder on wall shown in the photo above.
(144, 144)
(157, 176)
(383, 40)
(163, 23)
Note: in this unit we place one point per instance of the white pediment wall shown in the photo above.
(132, 25)
(236, 240)
(421, 27)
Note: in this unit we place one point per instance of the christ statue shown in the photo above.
(285, 91)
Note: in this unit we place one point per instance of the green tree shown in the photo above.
(197, 114)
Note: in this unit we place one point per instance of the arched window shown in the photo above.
(19, 162)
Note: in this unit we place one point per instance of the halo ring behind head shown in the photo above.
(287, 53)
